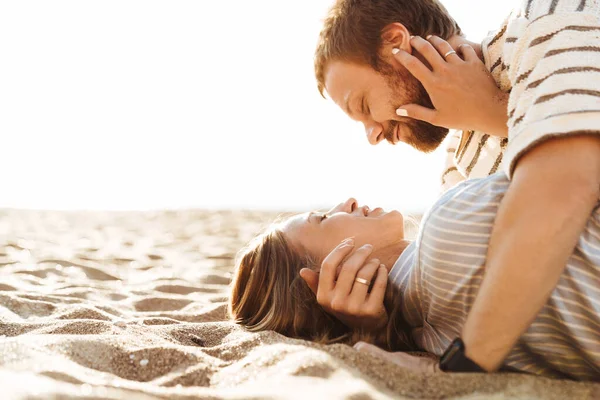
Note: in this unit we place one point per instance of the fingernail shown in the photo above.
(348, 242)
(401, 112)
(429, 36)
(395, 50)
(359, 345)
(367, 247)
(382, 266)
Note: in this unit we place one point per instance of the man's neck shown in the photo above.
(455, 41)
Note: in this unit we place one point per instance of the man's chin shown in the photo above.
(428, 140)
(429, 148)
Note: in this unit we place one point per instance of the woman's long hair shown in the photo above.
(267, 293)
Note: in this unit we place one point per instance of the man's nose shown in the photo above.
(374, 133)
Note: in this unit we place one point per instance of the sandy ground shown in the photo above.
(132, 306)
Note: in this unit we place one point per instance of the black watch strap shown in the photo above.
(455, 360)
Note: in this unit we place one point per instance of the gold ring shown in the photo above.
(363, 281)
(448, 53)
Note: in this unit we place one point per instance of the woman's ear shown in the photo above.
(394, 35)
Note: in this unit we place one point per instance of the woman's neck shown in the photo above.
(389, 255)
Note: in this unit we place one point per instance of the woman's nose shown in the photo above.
(374, 133)
(348, 206)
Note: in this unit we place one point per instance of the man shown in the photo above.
(546, 56)
(345, 37)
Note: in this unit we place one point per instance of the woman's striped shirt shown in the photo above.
(440, 273)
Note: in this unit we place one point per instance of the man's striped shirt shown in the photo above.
(547, 55)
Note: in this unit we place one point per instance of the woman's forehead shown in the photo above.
(294, 224)
(297, 230)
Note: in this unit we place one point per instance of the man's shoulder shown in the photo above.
(533, 10)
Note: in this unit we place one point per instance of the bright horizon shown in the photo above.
(189, 104)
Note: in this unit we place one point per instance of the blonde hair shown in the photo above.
(267, 293)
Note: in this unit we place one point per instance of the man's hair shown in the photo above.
(352, 30)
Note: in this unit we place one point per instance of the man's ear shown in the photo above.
(394, 35)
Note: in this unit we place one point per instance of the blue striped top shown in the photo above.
(439, 275)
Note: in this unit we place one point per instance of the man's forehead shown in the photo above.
(344, 79)
(341, 82)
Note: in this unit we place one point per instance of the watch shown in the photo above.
(455, 360)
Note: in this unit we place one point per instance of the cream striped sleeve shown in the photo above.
(553, 60)
(451, 175)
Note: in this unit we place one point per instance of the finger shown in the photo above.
(467, 52)
(374, 351)
(430, 53)
(444, 49)
(360, 290)
(351, 266)
(402, 359)
(330, 263)
(377, 295)
(416, 111)
(413, 65)
(311, 278)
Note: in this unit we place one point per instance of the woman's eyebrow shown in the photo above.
(309, 217)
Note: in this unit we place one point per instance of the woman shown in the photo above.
(268, 291)
(435, 279)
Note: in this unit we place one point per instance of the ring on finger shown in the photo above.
(363, 281)
(448, 53)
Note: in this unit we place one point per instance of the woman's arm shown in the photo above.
(342, 294)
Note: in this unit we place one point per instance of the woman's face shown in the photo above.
(319, 233)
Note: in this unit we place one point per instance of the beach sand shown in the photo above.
(132, 306)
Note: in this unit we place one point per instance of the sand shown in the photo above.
(132, 306)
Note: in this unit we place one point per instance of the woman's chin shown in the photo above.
(394, 214)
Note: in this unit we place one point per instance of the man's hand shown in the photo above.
(413, 363)
(341, 295)
(462, 90)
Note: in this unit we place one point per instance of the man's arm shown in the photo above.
(554, 189)
(553, 160)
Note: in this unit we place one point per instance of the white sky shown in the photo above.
(170, 104)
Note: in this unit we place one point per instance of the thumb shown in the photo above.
(364, 347)
(311, 278)
(369, 348)
(416, 364)
(416, 111)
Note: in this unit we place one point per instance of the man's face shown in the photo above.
(372, 98)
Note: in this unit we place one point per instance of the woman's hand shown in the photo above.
(462, 90)
(347, 296)
(413, 363)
